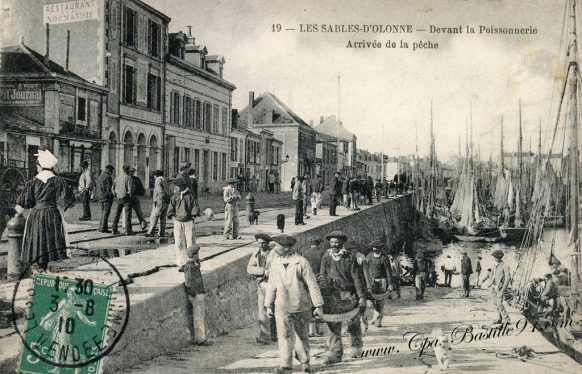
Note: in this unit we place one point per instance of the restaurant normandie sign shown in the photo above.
(71, 11)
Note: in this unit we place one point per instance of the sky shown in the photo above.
(385, 94)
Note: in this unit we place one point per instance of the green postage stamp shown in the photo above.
(65, 326)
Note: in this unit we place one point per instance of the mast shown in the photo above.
(502, 164)
(573, 152)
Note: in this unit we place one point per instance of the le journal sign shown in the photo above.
(71, 11)
(21, 96)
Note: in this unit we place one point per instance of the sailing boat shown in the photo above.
(565, 329)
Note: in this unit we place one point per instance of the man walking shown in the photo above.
(380, 276)
(272, 181)
(466, 271)
(334, 193)
(419, 272)
(105, 192)
(161, 201)
(293, 291)
(182, 210)
(307, 190)
(340, 271)
(395, 271)
(501, 279)
(317, 189)
(259, 266)
(124, 189)
(298, 197)
(139, 191)
(449, 268)
(478, 269)
(85, 189)
(231, 197)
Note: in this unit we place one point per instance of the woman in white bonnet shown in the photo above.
(44, 234)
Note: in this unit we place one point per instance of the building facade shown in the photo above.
(297, 138)
(198, 108)
(325, 157)
(347, 153)
(43, 105)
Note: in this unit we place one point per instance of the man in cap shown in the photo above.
(298, 196)
(182, 210)
(334, 193)
(395, 270)
(501, 278)
(466, 271)
(549, 295)
(293, 291)
(139, 191)
(124, 188)
(183, 173)
(316, 188)
(313, 255)
(307, 191)
(105, 195)
(231, 197)
(340, 267)
(259, 266)
(161, 201)
(380, 278)
(478, 269)
(85, 189)
(419, 272)
(194, 286)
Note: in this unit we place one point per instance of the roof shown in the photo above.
(330, 126)
(269, 104)
(215, 58)
(21, 59)
(325, 138)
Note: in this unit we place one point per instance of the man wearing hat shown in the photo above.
(395, 270)
(334, 193)
(316, 188)
(449, 269)
(340, 267)
(293, 291)
(124, 188)
(478, 269)
(313, 255)
(105, 195)
(161, 201)
(139, 191)
(420, 270)
(183, 171)
(231, 197)
(380, 278)
(44, 237)
(259, 266)
(466, 271)
(549, 295)
(182, 210)
(194, 287)
(501, 278)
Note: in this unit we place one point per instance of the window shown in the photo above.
(207, 116)
(81, 109)
(196, 159)
(224, 121)
(154, 38)
(223, 167)
(129, 84)
(215, 119)
(175, 108)
(214, 166)
(130, 26)
(187, 108)
(154, 86)
(233, 149)
(187, 155)
(198, 114)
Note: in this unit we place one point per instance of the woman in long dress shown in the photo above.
(44, 234)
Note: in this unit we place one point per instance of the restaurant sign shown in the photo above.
(71, 11)
(21, 95)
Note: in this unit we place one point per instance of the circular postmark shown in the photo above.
(72, 319)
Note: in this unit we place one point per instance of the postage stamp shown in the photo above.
(70, 323)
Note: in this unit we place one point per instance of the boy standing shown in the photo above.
(161, 199)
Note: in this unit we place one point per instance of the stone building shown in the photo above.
(198, 108)
(347, 162)
(369, 164)
(325, 157)
(120, 44)
(297, 152)
(43, 104)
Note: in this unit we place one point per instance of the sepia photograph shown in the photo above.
(271, 186)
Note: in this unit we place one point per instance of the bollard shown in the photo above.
(15, 229)
(250, 201)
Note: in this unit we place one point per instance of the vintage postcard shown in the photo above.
(227, 186)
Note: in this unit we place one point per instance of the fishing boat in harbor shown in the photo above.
(554, 299)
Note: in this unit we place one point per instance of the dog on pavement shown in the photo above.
(254, 217)
(281, 222)
(209, 214)
(441, 351)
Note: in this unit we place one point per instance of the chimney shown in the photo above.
(250, 111)
(68, 46)
(310, 123)
(46, 55)
(321, 119)
(22, 39)
(191, 39)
